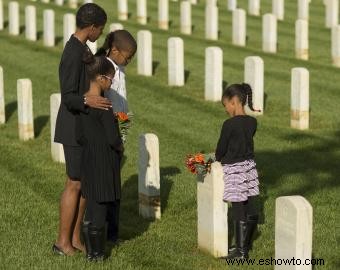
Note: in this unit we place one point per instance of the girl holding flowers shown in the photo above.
(235, 150)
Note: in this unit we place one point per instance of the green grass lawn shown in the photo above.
(290, 162)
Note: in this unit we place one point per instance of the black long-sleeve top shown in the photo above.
(236, 140)
(73, 84)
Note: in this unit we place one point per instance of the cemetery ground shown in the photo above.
(290, 162)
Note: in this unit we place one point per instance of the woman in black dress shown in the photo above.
(98, 133)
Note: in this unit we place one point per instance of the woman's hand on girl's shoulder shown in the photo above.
(98, 102)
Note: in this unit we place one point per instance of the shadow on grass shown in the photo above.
(131, 224)
(39, 124)
(58, 40)
(318, 162)
(10, 109)
(186, 75)
(155, 65)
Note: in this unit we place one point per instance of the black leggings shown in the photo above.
(240, 210)
(96, 212)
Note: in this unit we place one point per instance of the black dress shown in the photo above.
(98, 133)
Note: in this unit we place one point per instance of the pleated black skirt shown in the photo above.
(100, 173)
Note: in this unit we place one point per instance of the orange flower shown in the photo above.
(122, 116)
(199, 158)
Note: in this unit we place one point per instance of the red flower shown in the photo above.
(122, 116)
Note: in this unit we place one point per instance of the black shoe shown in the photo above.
(86, 238)
(58, 251)
(241, 251)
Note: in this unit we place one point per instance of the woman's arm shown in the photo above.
(69, 76)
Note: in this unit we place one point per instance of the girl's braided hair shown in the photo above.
(242, 91)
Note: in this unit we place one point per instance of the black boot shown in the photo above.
(241, 251)
(97, 237)
(252, 221)
(94, 239)
(86, 239)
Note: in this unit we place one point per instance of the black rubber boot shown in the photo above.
(97, 237)
(86, 238)
(251, 228)
(241, 251)
(252, 221)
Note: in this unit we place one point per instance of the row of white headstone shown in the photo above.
(71, 3)
(269, 33)
(293, 222)
(69, 25)
(331, 11)
(253, 75)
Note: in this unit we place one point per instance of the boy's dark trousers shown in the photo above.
(112, 219)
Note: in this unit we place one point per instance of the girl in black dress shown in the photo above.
(98, 133)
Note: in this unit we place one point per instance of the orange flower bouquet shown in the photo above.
(124, 120)
(199, 163)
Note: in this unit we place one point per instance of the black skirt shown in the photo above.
(73, 160)
(100, 173)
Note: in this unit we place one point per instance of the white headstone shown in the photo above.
(45, 1)
(239, 27)
(332, 13)
(2, 98)
(122, 10)
(144, 53)
(269, 33)
(116, 26)
(300, 99)
(73, 4)
(213, 73)
(211, 22)
(92, 46)
(25, 109)
(149, 177)
(212, 213)
(69, 25)
(336, 45)
(254, 7)
(49, 38)
(1, 15)
(193, 2)
(293, 232)
(278, 9)
(59, 2)
(232, 5)
(211, 2)
(56, 148)
(301, 39)
(163, 14)
(175, 61)
(30, 23)
(13, 18)
(303, 9)
(142, 16)
(186, 26)
(254, 76)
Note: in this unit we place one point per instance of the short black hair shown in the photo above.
(90, 14)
